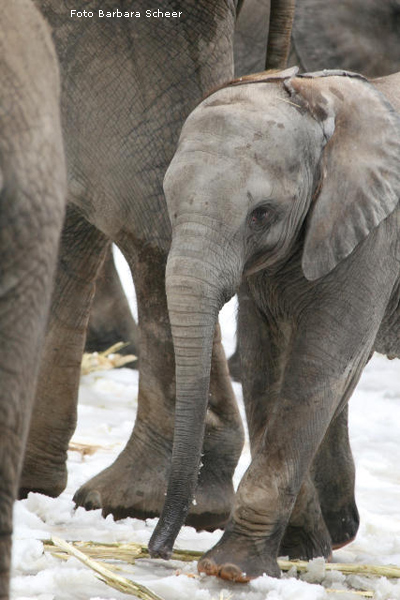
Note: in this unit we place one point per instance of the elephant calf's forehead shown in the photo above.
(252, 117)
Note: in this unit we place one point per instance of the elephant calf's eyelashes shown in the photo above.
(259, 217)
(262, 217)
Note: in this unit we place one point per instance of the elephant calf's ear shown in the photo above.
(360, 166)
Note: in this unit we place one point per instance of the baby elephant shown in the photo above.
(288, 187)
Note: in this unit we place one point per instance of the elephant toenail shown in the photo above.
(93, 500)
(207, 566)
(231, 572)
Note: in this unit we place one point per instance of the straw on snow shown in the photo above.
(109, 359)
(131, 551)
(115, 581)
(124, 552)
(389, 571)
(84, 449)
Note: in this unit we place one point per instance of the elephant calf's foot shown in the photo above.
(238, 558)
(343, 525)
(300, 544)
(306, 536)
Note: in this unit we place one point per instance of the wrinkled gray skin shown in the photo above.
(128, 85)
(110, 319)
(353, 35)
(249, 45)
(32, 196)
(356, 35)
(289, 188)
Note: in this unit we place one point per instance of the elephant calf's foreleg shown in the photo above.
(267, 496)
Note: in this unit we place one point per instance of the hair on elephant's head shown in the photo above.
(264, 165)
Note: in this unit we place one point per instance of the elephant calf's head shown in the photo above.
(254, 156)
(242, 178)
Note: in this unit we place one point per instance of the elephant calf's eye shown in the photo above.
(259, 216)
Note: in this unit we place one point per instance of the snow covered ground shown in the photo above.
(107, 408)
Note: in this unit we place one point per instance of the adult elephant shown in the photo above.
(110, 319)
(32, 198)
(287, 186)
(128, 84)
(355, 35)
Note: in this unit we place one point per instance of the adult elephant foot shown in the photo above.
(53, 421)
(44, 470)
(238, 558)
(135, 484)
(137, 489)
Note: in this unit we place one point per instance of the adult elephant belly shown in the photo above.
(122, 113)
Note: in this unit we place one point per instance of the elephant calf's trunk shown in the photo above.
(193, 310)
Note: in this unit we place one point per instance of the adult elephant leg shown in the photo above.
(53, 421)
(111, 320)
(31, 213)
(28, 246)
(135, 484)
